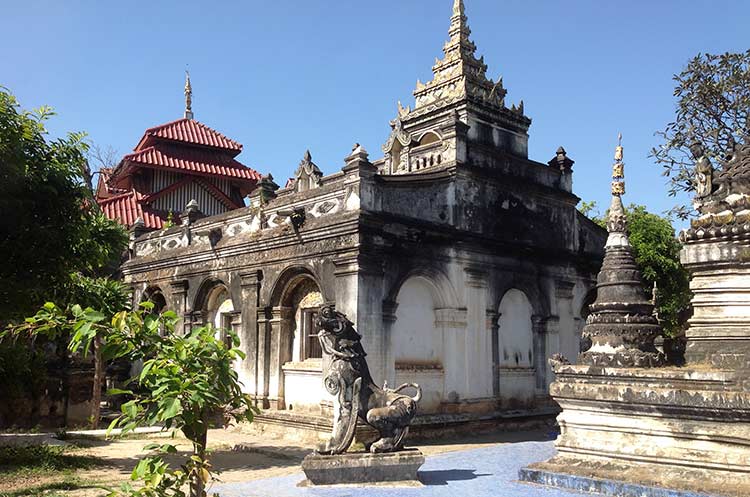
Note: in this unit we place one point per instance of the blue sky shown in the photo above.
(281, 77)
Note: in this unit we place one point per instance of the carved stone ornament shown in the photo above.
(347, 378)
(308, 175)
(704, 173)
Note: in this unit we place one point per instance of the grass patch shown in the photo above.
(44, 458)
(34, 470)
(50, 489)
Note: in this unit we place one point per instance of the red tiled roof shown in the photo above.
(192, 161)
(192, 132)
(127, 207)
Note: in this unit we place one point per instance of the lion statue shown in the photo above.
(348, 379)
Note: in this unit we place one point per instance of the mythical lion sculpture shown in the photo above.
(348, 379)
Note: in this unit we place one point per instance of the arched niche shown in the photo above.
(516, 352)
(416, 343)
(429, 138)
(516, 342)
(413, 338)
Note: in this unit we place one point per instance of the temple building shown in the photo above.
(463, 263)
(172, 164)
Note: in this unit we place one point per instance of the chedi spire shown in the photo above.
(621, 328)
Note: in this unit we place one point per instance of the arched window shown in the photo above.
(305, 299)
(218, 311)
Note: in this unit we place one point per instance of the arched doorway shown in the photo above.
(515, 367)
(416, 343)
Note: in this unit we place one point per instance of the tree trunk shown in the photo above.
(197, 483)
(96, 397)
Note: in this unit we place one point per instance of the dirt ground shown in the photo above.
(236, 456)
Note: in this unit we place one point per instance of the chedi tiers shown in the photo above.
(621, 328)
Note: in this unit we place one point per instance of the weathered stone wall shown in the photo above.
(467, 235)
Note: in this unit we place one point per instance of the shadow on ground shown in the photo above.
(443, 476)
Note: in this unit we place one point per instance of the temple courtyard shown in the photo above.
(485, 464)
(251, 465)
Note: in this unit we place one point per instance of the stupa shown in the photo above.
(632, 425)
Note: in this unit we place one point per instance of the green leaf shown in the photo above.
(117, 391)
(171, 409)
(140, 469)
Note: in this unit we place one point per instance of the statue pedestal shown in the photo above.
(362, 467)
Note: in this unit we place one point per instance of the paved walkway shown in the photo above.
(484, 472)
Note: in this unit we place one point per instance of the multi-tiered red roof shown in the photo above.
(185, 146)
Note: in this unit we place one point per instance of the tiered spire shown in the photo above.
(459, 74)
(617, 221)
(621, 328)
(188, 97)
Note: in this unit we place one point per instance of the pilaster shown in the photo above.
(281, 353)
(178, 293)
(478, 352)
(249, 330)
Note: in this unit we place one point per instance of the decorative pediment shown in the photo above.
(308, 175)
(397, 135)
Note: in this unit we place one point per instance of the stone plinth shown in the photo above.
(720, 281)
(678, 428)
(360, 468)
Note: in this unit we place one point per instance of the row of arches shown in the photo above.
(425, 338)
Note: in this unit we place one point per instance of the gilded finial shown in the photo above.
(188, 97)
(618, 170)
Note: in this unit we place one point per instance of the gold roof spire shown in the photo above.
(188, 97)
(618, 170)
(617, 221)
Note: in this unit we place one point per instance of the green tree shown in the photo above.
(50, 225)
(657, 253)
(187, 383)
(55, 242)
(713, 101)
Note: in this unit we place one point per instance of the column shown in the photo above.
(280, 342)
(389, 320)
(248, 331)
(493, 329)
(540, 354)
(456, 373)
(263, 356)
(178, 290)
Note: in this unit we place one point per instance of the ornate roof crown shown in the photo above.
(459, 74)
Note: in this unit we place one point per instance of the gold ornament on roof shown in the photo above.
(618, 169)
(618, 188)
(188, 97)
